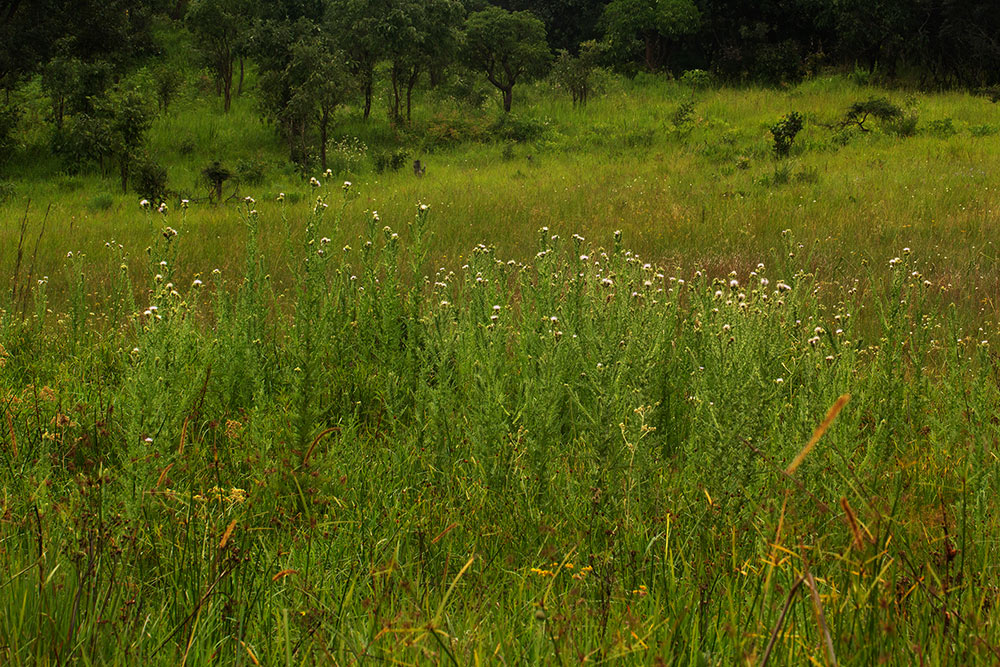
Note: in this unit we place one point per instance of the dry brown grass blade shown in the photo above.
(824, 629)
(225, 536)
(818, 433)
(253, 658)
(444, 532)
(305, 459)
(781, 620)
(184, 430)
(163, 475)
(283, 574)
(852, 522)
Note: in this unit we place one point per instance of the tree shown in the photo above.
(872, 32)
(573, 72)
(303, 95)
(507, 46)
(652, 25)
(358, 23)
(221, 27)
(416, 35)
(111, 132)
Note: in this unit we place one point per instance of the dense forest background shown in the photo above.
(105, 68)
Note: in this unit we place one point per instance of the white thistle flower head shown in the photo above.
(144, 203)
(347, 185)
(314, 182)
(281, 196)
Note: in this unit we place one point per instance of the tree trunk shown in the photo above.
(369, 75)
(410, 85)
(227, 85)
(123, 164)
(508, 97)
(394, 103)
(179, 9)
(436, 74)
(239, 90)
(652, 43)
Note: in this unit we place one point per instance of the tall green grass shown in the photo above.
(569, 453)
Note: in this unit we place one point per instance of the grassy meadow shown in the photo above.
(608, 384)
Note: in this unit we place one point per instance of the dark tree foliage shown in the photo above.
(109, 31)
(568, 23)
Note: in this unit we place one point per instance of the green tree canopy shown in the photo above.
(303, 95)
(652, 25)
(507, 46)
(222, 28)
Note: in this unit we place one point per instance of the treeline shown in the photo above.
(313, 56)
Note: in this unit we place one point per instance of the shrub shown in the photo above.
(696, 79)
(574, 72)
(861, 76)
(784, 133)
(906, 125)
(82, 140)
(683, 118)
(942, 128)
(985, 130)
(457, 128)
(167, 83)
(215, 176)
(390, 160)
(251, 171)
(878, 108)
(517, 128)
(149, 178)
